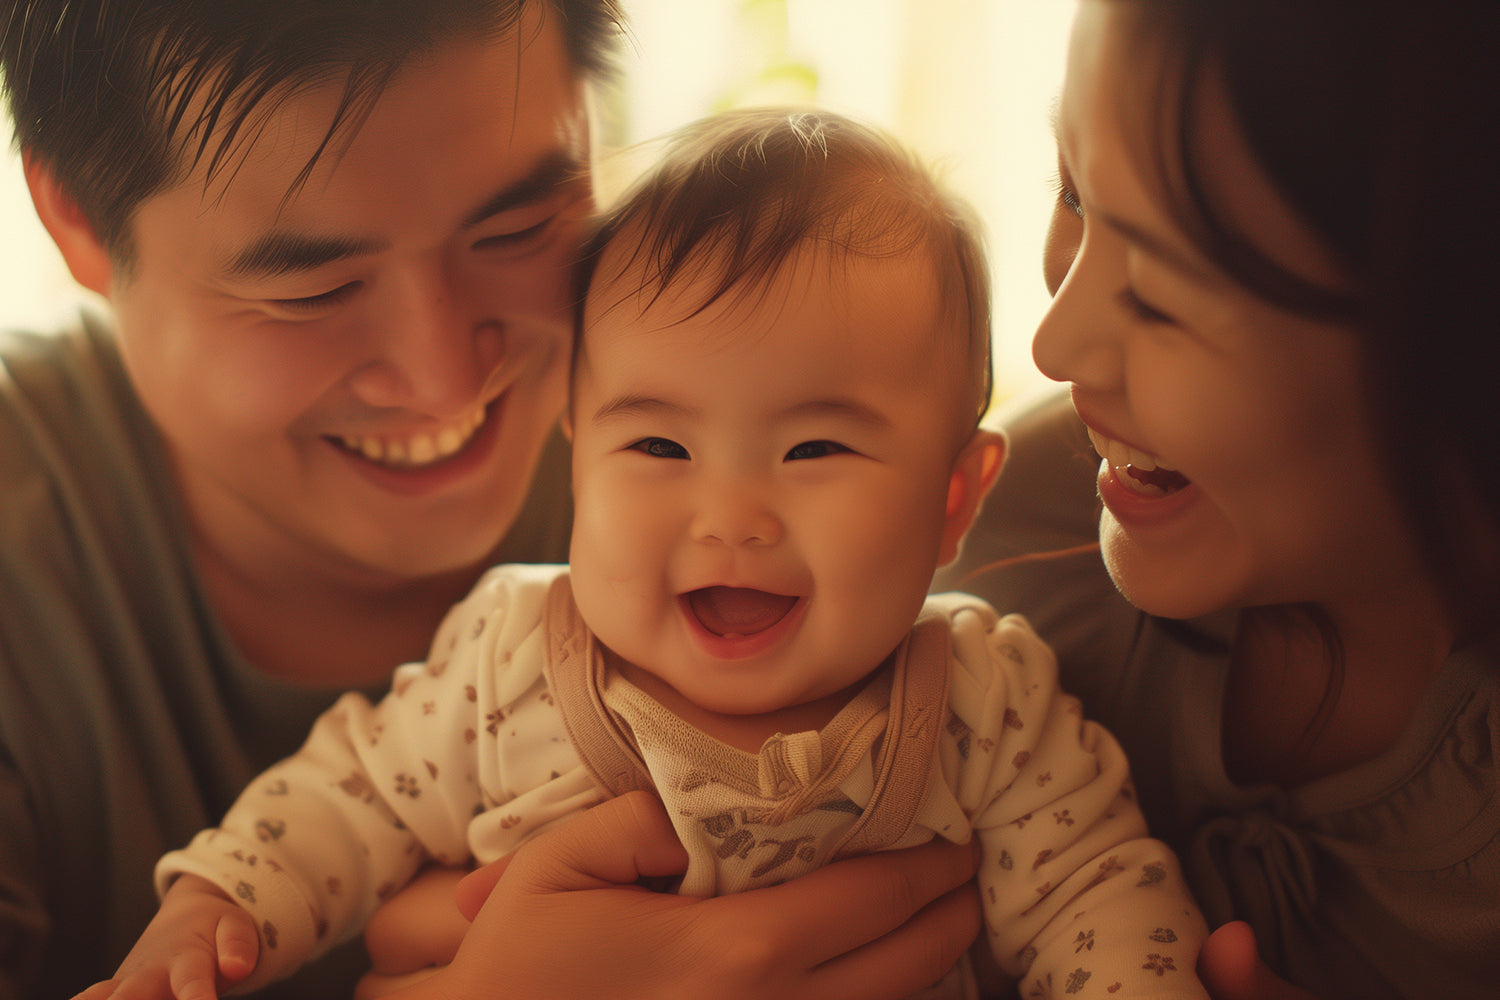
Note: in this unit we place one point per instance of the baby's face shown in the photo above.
(761, 488)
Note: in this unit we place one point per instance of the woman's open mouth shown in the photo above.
(1136, 470)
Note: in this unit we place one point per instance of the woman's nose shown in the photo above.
(1079, 338)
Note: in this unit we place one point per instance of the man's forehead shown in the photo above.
(301, 128)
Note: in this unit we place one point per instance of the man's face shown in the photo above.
(357, 374)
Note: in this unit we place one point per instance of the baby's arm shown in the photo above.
(198, 945)
(1078, 898)
(315, 843)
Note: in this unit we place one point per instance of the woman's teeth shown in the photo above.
(414, 450)
(1137, 470)
(1120, 455)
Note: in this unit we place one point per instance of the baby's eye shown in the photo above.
(660, 448)
(814, 449)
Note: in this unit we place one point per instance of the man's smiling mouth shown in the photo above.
(414, 451)
(1136, 470)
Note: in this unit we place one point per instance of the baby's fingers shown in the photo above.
(238, 947)
(192, 976)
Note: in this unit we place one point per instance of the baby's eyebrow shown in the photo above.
(634, 405)
(838, 407)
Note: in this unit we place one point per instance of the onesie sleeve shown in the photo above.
(317, 842)
(1079, 901)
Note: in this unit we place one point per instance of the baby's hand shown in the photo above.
(198, 945)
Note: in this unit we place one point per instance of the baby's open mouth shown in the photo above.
(1136, 470)
(731, 612)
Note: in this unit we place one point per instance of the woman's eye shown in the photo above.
(1067, 197)
(660, 448)
(814, 449)
(1142, 310)
(316, 303)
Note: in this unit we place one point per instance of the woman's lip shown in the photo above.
(1098, 427)
(739, 647)
(423, 480)
(1132, 508)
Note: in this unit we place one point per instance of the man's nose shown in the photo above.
(431, 350)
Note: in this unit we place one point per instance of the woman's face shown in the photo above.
(1239, 467)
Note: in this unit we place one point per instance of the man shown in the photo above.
(335, 241)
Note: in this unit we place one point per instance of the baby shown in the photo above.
(782, 356)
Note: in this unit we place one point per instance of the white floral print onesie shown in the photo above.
(513, 724)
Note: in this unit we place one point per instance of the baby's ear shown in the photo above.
(974, 472)
(82, 251)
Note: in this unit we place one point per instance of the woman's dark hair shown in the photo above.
(121, 98)
(1379, 124)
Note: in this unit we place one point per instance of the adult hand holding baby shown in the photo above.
(872, 927)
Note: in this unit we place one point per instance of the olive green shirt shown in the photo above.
(128, 721)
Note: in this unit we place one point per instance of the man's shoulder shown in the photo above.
(64, 395)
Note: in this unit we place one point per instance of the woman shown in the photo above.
(1271, 262)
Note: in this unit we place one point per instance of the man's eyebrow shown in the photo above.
(554, 172)
(281, 253)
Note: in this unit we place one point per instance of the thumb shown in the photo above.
(1231, 968)
(617, 842)
(474, 888)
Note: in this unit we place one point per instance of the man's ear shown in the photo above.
(974, 472)
(74, 235)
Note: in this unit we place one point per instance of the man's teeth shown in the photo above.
(413, 450)
(1118, 454)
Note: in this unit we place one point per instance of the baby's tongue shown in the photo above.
(738, 611)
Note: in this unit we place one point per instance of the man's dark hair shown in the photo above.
(121, 99)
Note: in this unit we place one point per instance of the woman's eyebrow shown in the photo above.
(1156, 246)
